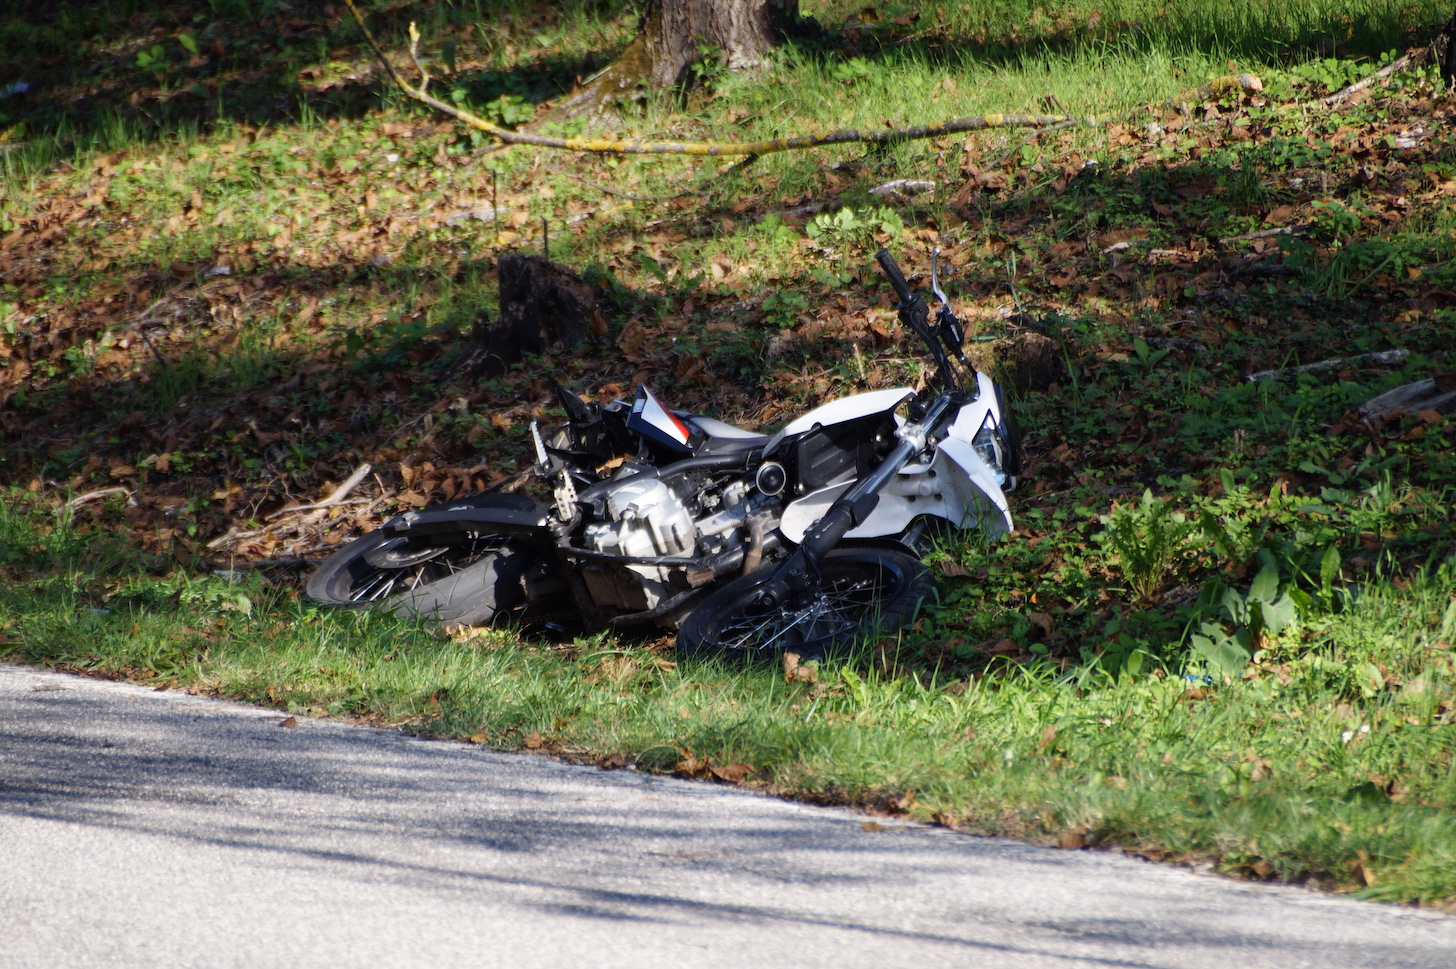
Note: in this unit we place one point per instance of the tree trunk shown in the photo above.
(1447, 51)
(670, 40)
(743, 31)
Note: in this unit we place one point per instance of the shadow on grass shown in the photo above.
(97, 77)
(1249, 32)
(82, 76)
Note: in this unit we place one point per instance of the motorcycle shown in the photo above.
(747, 544)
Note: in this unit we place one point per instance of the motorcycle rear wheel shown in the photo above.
(464, 578)
(864, 593)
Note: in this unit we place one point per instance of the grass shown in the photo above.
(224, 293)
(1332, 767)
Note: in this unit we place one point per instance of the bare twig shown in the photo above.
(506, 483)
(1382, 356)
(350, 483)
(903, 186)
(1177, 343)
(313, 512)
(80, 500)
(414, 51)
(1399, 64)
(297, 509)
(1283, 230)
(335, 497)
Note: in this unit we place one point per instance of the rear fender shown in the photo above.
(511, 514)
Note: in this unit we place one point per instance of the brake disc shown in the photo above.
(396, 554)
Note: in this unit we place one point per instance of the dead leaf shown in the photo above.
(952, 569)
(794, 673)
(690, 766)
(732, 773)
(633, 337)
(291, 723)
(1121, 235)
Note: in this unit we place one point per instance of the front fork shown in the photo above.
(800, 571)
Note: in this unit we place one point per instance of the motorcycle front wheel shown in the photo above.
(464, 578)
(863, 593)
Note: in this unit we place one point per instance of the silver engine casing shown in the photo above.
(646, 519)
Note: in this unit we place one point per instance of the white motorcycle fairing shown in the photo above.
(957, 484)
(848, 409)
(838, 412)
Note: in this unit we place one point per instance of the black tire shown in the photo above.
(460, 578)
(865, 593)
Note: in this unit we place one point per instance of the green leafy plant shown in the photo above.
(711, 67)
(781, 308)
(1263, 612)
(1145, 540)
(153, 59)
(851, 226)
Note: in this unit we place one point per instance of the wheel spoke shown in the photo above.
(837, 609)
(447, 560)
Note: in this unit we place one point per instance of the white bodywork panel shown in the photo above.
(848, 409)
(963, 491)
(957, 484)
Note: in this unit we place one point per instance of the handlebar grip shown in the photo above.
(897, 278)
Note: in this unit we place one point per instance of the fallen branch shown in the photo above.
(902, 186)
(1177, 343)
(1283, 230)
(981, 122)
(1382, 357)
(1399, 64)
(80, 500)
(1437, 394)
(634, 147)
(335, 497)
(313, 512)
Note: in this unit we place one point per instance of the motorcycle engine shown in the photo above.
(645, 519)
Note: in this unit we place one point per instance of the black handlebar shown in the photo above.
(897, 278)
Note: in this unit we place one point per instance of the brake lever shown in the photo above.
(952, 334)
(935, 277)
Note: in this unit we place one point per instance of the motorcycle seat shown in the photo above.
(725, 437)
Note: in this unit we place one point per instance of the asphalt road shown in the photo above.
(140, 828)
